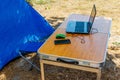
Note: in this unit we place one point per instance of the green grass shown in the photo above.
(45, 1)
(42, 2)
(116, 43)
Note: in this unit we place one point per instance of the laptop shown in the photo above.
(81, 27)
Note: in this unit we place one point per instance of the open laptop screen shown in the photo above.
(92, 17)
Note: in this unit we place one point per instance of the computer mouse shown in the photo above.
(60, 36)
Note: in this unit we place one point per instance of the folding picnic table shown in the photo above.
(86, 52)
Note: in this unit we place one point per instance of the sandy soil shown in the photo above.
(55, 11)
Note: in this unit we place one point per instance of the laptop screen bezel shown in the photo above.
(90, 23)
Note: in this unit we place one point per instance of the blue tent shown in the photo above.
(19, 24)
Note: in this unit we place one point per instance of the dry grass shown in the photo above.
(55, 11)
(62, 8)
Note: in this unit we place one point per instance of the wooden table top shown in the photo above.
(93, 48)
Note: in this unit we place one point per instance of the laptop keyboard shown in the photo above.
(79, 27)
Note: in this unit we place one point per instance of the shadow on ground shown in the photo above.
(55, 21)
(111, 70)
(19, 70)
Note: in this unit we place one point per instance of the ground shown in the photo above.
(55, 11)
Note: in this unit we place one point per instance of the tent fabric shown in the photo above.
(30, 47)
(19, 24)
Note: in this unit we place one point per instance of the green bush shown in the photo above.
(30, 2)
(39, 1)
(116, 43)
(42, 1)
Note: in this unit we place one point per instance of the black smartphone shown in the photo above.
(64, 41)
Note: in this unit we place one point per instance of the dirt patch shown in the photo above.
(55, 11)
(20, 70)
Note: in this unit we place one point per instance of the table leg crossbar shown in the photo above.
(90, 69)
